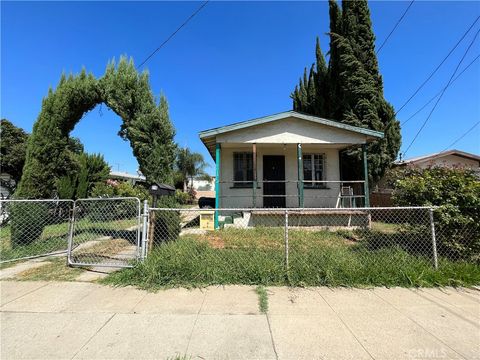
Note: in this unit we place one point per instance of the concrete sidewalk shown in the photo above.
(84, 321)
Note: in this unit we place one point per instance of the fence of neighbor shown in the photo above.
(118, 232)
(32, 228)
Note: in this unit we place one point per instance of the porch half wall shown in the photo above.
(231, 197)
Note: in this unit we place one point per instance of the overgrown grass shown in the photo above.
(257, 257)
(262, 298)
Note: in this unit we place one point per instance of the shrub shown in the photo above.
(456, 193)
(166, 223)
(114, 189)
(27, 222)
(181, 197)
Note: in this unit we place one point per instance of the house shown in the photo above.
(382, 194)
(124, 176)
(204, 187)
(288, 159)
(449, 158)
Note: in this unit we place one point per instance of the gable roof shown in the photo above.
(208, 136)
(437, 155)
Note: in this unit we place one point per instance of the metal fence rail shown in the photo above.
(33, 228)
(105, 232)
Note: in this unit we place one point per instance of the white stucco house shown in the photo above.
(283, 160)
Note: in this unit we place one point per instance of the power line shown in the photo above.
(462, 136)
(433, 98)
(396, 25)
(174, 33)
(438, 67)
(441, 95)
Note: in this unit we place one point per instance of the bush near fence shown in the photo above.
(456, 194)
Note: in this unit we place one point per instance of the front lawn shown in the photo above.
(383, 256)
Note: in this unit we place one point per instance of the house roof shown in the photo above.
(437, 155)
(126, 176)
(208, 137)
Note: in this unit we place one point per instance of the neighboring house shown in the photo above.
(382, 194)
(204, 188)
(123, 176)
(449, 158)
(288, 159)
(200, 184)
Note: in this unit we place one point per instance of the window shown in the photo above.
(243, 169)
(314, 170)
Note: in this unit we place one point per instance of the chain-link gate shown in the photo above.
(105, 232)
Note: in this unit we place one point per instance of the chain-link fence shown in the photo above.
(105, 232)
(305, 245)
(33, 228)
(308, 245)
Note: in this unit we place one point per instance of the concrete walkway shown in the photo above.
(89, 321)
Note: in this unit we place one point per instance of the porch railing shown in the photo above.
(337, 193)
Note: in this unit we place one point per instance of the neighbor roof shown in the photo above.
(438, 155)
(208, 136)
(126, 176)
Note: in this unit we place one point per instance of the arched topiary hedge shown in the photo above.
(145, 124)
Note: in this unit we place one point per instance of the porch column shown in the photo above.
(366, 190)
(300, 175)
(254, 189)
(217, 183)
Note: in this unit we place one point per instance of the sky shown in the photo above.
(234, 61)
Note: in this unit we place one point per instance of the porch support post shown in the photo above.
(366, 190)
(300, 175)
(254, 189)
(217, 183)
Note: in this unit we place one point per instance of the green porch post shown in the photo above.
(366, 190)
(217, 183)
(300, 175)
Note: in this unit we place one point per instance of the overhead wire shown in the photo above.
(173, 34)
(441, 95)
(395, 27)
(438, 66)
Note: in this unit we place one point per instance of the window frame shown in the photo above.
(247, 183)
(310, 185)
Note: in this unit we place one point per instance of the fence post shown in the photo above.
(286, 240)
(434, 240)
(144, 229)
(71, 230)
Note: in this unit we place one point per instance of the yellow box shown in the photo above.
(207, 220)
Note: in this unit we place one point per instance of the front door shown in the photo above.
(274, 170)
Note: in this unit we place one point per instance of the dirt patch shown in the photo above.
(215, 241)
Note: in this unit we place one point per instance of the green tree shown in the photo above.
(350, 89)
(189, 165)
(12, 151)
(89, 170)
(123, 89)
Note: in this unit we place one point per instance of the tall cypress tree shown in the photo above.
(350, 90)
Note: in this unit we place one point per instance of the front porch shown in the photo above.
(284, 176)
